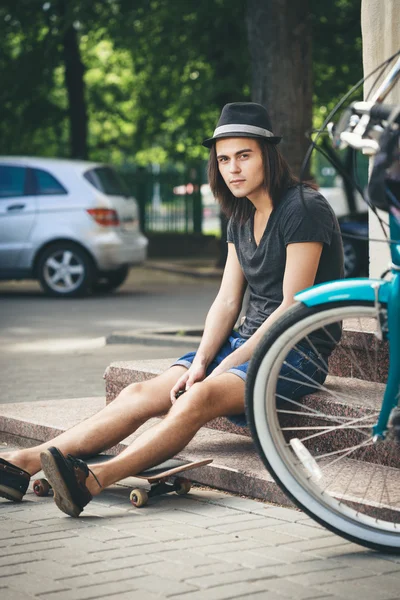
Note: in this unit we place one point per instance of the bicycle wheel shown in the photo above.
(319, 447)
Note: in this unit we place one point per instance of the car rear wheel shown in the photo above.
(352, 259)
(112, 280)
(65, 270)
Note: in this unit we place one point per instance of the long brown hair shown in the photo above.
(277, 179)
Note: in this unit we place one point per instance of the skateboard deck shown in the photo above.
(161, 478)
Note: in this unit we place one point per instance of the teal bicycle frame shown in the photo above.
(380, 292)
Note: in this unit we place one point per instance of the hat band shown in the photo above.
(252, 129)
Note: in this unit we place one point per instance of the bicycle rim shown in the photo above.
(335, 472)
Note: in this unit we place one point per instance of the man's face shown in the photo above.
(241, 166)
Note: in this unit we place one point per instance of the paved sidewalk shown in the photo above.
(205, 546)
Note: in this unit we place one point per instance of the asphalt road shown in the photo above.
(55, 349)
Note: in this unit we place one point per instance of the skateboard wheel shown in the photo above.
(138, 497)
(41, 487)
(184, 486)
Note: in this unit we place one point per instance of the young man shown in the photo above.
(282, 237)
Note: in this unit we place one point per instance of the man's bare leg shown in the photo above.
(204, 401)
(134, 406)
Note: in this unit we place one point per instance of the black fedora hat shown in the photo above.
(243, 119)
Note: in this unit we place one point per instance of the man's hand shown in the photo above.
(193, 374)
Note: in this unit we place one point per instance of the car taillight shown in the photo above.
(104, 216)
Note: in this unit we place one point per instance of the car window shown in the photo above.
(12, 181)
(46, 184)
(107, 181)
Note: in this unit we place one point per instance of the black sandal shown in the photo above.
(67, 476)
(13, 481)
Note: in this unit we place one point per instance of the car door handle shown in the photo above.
(16, 207)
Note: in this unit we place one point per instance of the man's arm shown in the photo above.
(219, 322)
(302, 260)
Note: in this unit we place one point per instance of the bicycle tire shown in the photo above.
(336, 508)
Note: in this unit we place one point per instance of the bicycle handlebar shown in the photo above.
(360, 119)
(382, 112)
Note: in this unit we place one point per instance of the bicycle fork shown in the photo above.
(392, 391)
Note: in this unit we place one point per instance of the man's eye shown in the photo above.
(222, 159)
(244, 156)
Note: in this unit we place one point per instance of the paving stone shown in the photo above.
(108, 554)
(290, 590)
(11, 570)
(231, 545)
(238, 575)
(11, 539)
(208, 510)
(54, 569)
(368, 561)
(11, 594)
(167, 533)
(211, 523)
(206, 542)
(253, 523)
(224, 592)
(175, 571)
(144, 595)
(283, 514)
(283, 554)
(244, 558)
(179, 529)
(267, 536)
(242, 504)
(261, 596)
(320, 545)
(338, 574)
(31, 547)
(186, 557)
(166, 587)
(24, 558)
(351, 590)
(35, 585)
(290, 569)
(93, 579)
(94, 592)
(121, 562)
(390, 583)
(301, 531)
(101, 534)
(41, 536)
(91, 545)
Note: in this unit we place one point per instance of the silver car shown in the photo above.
(70, 224)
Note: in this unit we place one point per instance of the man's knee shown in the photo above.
(194, 405)
(132, 390)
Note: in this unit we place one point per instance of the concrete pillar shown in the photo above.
(380, 24)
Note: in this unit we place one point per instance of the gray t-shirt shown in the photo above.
(264, 265)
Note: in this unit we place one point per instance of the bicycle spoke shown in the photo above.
(320, 446)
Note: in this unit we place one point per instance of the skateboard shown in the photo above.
(162, 479)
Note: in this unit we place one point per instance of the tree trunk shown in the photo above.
(279, 34)
(74, 71)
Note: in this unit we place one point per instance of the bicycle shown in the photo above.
(334, 448)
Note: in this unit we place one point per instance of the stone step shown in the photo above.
(371, 354)
(359, 341)
(342, 397)
(236, 467)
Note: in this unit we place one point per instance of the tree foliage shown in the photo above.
(156, 73)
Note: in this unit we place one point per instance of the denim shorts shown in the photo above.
(291, 384)
(232, 343)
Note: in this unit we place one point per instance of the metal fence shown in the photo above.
(169, 200)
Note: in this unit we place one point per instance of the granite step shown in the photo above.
(342, 397)
(236, 467)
